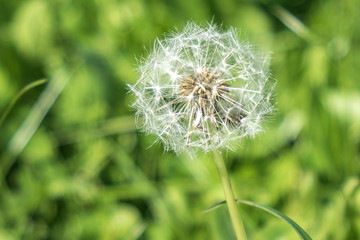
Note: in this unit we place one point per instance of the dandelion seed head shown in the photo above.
(202, 89)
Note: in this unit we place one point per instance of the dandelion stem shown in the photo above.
(229, 196)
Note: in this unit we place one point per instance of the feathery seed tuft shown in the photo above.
(202, 89)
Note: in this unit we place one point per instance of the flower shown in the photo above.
(202, 89)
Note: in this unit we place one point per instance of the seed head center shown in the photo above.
(203, 88)
(203, 93)
(208, 97)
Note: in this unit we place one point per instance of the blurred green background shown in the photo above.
(73, 165)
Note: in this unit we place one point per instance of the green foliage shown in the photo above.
(73, 165)
(302, 234)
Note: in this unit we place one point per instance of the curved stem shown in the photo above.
(229, 196)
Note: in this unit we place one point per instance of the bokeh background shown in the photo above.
(74, 166)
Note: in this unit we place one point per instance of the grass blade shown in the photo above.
(270, 210)
(17, 97)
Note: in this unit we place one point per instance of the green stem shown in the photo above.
(229, 196)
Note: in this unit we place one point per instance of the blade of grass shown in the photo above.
(293, 23)
(19, 95)
(301, 232)
(32, 122)
(38, 112)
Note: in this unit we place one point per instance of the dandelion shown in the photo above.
(202, 89)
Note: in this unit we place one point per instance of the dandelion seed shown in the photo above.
(202, 89)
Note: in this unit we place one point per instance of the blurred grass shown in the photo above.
(86, 173)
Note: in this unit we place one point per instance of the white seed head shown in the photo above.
(202, 89)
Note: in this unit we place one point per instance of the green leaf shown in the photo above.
(16, 98)
(270, 210)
